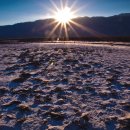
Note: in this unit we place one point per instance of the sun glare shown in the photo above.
(64, 20)
(64, 15)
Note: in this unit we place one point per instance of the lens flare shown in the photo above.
(65, 21)
(64, 15)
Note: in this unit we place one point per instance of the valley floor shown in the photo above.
(64, 87)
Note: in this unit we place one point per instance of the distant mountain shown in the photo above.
(118, 25)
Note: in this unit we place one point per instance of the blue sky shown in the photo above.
(14, 11)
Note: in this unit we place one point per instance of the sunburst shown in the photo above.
(64, 15)
(64, 18)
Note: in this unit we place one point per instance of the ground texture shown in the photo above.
(64, 87)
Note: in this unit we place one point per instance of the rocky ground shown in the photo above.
(64, 87)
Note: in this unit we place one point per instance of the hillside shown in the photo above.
(117, 25)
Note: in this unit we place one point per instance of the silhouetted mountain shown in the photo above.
(118, 25)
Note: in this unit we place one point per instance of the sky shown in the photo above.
(15, 11)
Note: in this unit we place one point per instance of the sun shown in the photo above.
(64, 20)
(64, 15)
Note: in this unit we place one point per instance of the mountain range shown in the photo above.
(113, 26)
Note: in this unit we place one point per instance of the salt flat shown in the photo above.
(64, 87)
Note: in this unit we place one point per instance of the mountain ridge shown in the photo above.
(117, 25)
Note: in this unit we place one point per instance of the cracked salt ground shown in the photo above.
(64, 88)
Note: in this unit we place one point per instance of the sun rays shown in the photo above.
(64, 21)
(64, 15)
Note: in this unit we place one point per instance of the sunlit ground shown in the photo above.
(82, 44)
(49, 86)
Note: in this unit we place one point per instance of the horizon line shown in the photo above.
(1, 25)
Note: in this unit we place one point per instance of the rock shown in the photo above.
(34, 63)
(11, 103)
(58, 89)
(114, 93)
(85, 116)
(47, 98)
(60, 51)
(45, 121)
(70, 61)
(125, 104)
(23, 77)
(111, 118)
(72, 126)
(37, 80)
(79, 123)
(21, 91)
(3, 90)
(77, 111)
(11, 116)
(45, 106)
(29, 120)
(37, 91)
(76, 88)
(57, 115)
(55, 128)
(21, 120)
(18, 80)
(1, 115)
(127, 85)
(90, 72)
(125, 122)
(112, 79)
(46, 81)
(86, 66)
(56, 108)
(60, 102)
(24, 107)
(105, 93)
